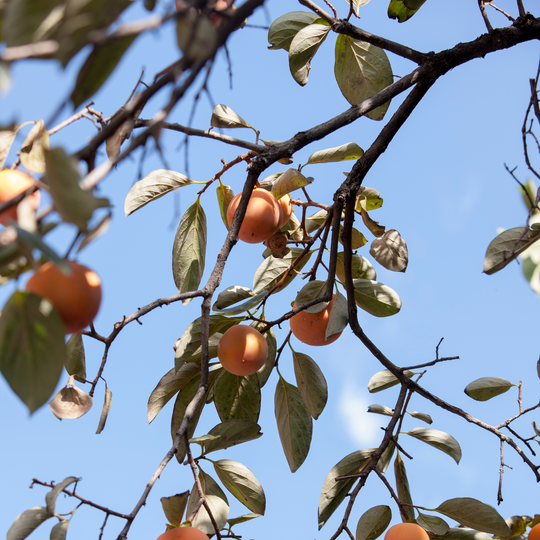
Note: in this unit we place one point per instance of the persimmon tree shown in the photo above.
(331, 249)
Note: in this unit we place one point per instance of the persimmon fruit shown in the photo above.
(406, 531)
(183, 533)
(286, 208)
(11, 184)
(262, 219)
(242, 350)
(534, 533)
(310, 328)
(76, 297)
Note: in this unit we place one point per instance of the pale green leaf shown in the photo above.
(290, 180)
(27, 522)
(384, 379)
(224, 117)
(345, 152)
(403, 10)
(284, 28)
(174, 507)
(432, 524)
(107, 402)
(380, 409)
(402, 485)
(438, 439)
(75, 357)
(311, 383)
(34, 147)
(224, 196)
(375, 298)
(373, 522)
(51, 496)
(487, 387)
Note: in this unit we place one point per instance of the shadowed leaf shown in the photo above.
(284, 28)
(174, 507)
(373, 522)
(311, 383)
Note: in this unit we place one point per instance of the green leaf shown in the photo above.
(284, 28)
(402, 485)
(311, 383)
(361, 267)
(50, 498)
(339, 316)
(59, 531)
(310, 291)
(375, 298)
(421, 416)
(70, 201)
(303, 48)
(362, 70)
(153, 186)
(224, 117)
(333, 492)
(475, 514)
(230, 433)
(224, 196)
(294, 423)
(189, 249)
(242, 519)
(237, 397)
(432, 524)
(384, 379)
(174, 507)
(107, 402)
(32, 348)
(368, 199)
(272, 270)
(487, 387)
(236, 309)
(270, 336)
(232, 295)
(357, 4)
(27, 522)
(507, 246)
(168, 386)
(242, 484)
(345, 152)
(196, 36)
(34, 147)
(438, 439)
(75, 357)
(373, 522)
(386, 457)
(290, 180)
(390, 251)
(217, 501)
(403, 10)
(380, 409)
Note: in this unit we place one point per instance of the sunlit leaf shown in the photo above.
(50, 498)
(375, 298)
(373, 522)
(438, 439)
(361, 267)
(362, 70)
(32, 348)
(34, 147)
(70, 402)
(224, 195)
(59, 531)
(487, 387)
(390, 251)
(345, 152)
(224, 117)
(380, 409)
(107, 402)
(232, 295)
(236, 309)
(462, 533)
(403, 10)
(368, 199)
(27, 522)
(290, 180)
(357, 4)
(284, 28)
(384, 379)
(311, 383)
(339, 316)
(372, 225)
(174, 507)
(242, 519)
(294, 423)
(421, 416)
(153, 186)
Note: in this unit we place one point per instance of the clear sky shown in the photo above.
(445, 189)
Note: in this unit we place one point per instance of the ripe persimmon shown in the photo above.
(406, 531)
(11, 184)
(310, 328)
(263, 216)
(286, 208)
(76, 297)
(183, 533)
(242, 350)
(534, 533)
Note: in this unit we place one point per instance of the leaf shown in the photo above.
(333, 492)
(105, 410)
(242, 519)
(270, 336)
(380, 409)
(372, 225)
(75, 357)
(289, 181)
(232, 295)
(27, 522)
(462, 533)
(237, 397)
(294, 423)
(5, 83)
(303, 48)
(224, 195)
(34, 147)
(284, 28)
(361, 267)
(339, 316)
(386, 457)
(310, 291)
(438, 439)
(475, 514)
(59, 531)
(384, 379)
(487, 387)
(189, 249)
(421, 416)
(217, 501)
(70, 402)
(32, 348)
(153, 186)
(507, 246)
(174, 507)
(375, 298)
(169, 385)
(272, 270)
(390, 251)
(196, 36)
(236, 309)
(345, 152)
(70, 201)
(432, 524)
(230, 433)
(241, 483)
(97, 67)
(373, 522)
(368, 199)
(403, 10)
(362, 70)
(311, 383)
(33, 241)
(7, 136)
(357, 4)
(402, 486)
(51, 496)
(95, 232)
(224, 117)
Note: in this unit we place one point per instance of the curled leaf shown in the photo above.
(390, 251)
(34, 147)
(224, 117)
(71, 402)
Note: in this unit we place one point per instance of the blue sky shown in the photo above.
(445, 189)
